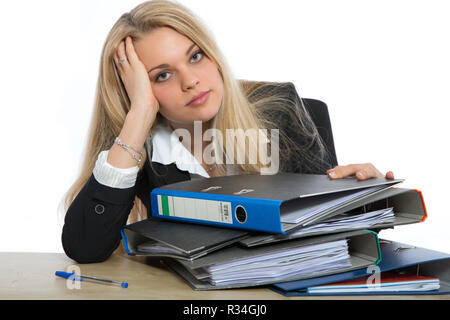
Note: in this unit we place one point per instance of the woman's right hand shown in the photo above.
(135, 79)
(143, 109)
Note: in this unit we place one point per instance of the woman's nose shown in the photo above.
(190, 83)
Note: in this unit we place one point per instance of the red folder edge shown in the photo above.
(423, 203)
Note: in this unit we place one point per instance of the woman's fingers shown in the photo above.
(340, 172)
(120, 58)
(130, 52)
(361, 171)
(126, 55)
(118, 66)
(134, 77)
(390, 175)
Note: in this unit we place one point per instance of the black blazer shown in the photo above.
(93, 222)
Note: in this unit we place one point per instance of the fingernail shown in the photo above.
(360, 175)
(332, 174)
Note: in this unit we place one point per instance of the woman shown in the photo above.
(162, 73)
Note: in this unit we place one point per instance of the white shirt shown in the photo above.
(167, 149)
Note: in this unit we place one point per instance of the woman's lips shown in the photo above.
(203, 97)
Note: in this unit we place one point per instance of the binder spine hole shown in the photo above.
(240, 214)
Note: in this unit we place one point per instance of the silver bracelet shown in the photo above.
(120, 143)
(127, 148)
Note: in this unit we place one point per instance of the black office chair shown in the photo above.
(317, 110)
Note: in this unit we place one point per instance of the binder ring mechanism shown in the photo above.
(240, 214)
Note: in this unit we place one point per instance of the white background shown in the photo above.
(383, 68)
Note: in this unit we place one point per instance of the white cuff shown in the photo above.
(114, 177)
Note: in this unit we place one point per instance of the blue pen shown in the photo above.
(73, 276)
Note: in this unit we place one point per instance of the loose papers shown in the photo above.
(315, 206)
(339, 223)
(278, 265)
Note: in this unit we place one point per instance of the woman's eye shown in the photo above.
(198, 54)
(161, 76)
(166, 75)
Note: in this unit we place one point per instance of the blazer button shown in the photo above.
(99, 209)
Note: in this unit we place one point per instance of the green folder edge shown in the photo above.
(378, 246)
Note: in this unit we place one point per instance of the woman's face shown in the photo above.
(180, 71)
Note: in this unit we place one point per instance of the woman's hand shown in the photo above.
(135, 79)
(361, 171)
(143, 109)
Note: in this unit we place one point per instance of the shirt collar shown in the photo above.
(168, 149)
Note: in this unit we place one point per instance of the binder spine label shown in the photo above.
(198, 209)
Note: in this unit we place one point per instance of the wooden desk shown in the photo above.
(32, 276)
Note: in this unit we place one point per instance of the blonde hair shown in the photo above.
(112, 104)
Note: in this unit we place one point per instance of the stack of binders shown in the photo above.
(292, 232)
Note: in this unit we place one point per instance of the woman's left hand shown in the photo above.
(361, 171)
